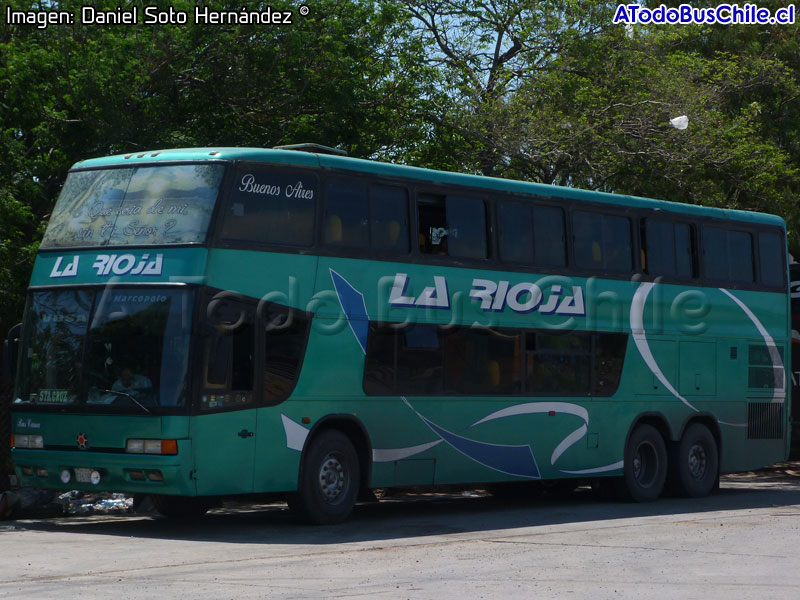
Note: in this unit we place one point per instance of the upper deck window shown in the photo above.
(602, 242)
(772, 256)
(135, 205)
(361, 216)
(728, 255)
(271, 207)
(532, 234)
(669, 249)
(452, 226)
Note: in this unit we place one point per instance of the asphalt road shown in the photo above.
(739, 543)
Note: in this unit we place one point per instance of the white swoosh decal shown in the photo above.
(392, 454)
(296, 434)
(555, 407)
(779, 395)
(639, 338)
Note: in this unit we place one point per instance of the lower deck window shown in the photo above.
(428, 360)
(250, 348)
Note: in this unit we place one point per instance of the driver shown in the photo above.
(129, 381)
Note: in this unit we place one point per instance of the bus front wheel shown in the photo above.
(645, 465)
(696, 462)
(330, 479)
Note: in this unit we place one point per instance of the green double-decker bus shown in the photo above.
(212, 322)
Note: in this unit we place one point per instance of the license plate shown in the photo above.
(83, 475)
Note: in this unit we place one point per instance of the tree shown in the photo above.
(345, 75)
(555, 92)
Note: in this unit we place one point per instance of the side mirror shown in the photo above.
(11, 352)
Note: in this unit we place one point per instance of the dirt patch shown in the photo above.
(784, 470)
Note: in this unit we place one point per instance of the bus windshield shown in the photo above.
(135, 206)
(117, 347)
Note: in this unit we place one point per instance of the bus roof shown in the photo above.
(309, 159)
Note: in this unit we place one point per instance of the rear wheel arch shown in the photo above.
(654, 419)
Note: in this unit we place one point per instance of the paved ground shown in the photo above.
(740, 543)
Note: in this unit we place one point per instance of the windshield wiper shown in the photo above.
(125, 395)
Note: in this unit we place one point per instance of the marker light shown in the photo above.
(137, 446)
(24, 440)
(41, 472)
(65, 476)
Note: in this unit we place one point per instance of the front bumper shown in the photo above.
(118, 471)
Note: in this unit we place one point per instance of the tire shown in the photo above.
(695, 467)
(181, 507)
(329, 480)
(645, 467)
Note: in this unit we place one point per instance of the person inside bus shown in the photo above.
(129, 382)
(442, 248)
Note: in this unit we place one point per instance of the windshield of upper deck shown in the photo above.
(169, 204)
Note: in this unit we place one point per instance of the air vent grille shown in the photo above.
(764, 421)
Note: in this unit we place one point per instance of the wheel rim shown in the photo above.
(333, 479)
(645, 464)
(697, 461)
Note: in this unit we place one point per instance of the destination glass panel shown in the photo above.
(271, 207)
(120, 349)
(135, 206)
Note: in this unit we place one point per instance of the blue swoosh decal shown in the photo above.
(511, 460)
(354, 307)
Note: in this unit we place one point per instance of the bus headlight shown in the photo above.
(139, 446)
(65, 476)
(135, 446)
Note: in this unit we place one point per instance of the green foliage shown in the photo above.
(554, 92)
(342, 76)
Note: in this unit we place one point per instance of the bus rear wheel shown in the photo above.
(696, 462)
(645, 465)
(329, 481)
